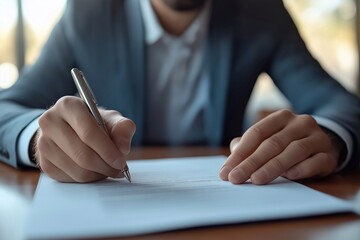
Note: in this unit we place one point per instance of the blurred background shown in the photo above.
(24, 27)
(329, 28)
(330, 31)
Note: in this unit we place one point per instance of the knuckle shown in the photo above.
(251, 164)
(46, 119)
(286, 113)
(255, 132)
(278, 165)
(307, 121)
(301, 147)
(69, 104)
(66, 101)
(86, 133)
(81, 157)
(276, 143)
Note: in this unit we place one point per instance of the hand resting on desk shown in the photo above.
(282, 144)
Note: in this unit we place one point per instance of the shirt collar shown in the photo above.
(154, 31)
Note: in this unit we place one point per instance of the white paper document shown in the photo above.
(167, 194)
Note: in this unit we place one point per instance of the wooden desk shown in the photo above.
(342, 226)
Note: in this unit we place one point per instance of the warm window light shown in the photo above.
(8, 15)
(8, 75)
(38, 18)
(328, 28)
(39, 23)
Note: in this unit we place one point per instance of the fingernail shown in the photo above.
(260, 177)
(125, 146)
(224, 172)
(237, 176)
(125, 149)
(118, 165)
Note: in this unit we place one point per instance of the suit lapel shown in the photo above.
(219, 53)
(136, 69)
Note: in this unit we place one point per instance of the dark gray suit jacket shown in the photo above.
(106, 40)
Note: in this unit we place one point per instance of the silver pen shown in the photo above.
(88, 97)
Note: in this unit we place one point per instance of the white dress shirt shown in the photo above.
(178, 87)
(177, 83)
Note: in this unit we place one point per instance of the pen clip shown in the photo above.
(88, 87)
(87, 96)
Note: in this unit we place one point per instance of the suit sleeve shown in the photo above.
(38, 87)
(307, 86)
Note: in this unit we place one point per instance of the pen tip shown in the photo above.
(127, 176)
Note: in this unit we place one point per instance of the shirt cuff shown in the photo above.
(24, 142)
(342, 133)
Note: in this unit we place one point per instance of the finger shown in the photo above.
(260, 131)
(121, 129)
(296, 152)
(67, 140)
(85, 126)
(267, 150)
(59, 159)
(234, 143)
(319, 165)
(54, 172)
(253, 137)
(225, 169)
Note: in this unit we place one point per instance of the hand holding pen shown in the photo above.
(88, 97)
(74, 146)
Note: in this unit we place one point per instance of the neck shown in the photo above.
(174, 22)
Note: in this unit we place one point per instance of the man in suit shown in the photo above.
(182, 71)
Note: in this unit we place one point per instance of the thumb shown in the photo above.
(120, 128)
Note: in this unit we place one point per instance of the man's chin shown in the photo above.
(184, 5)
